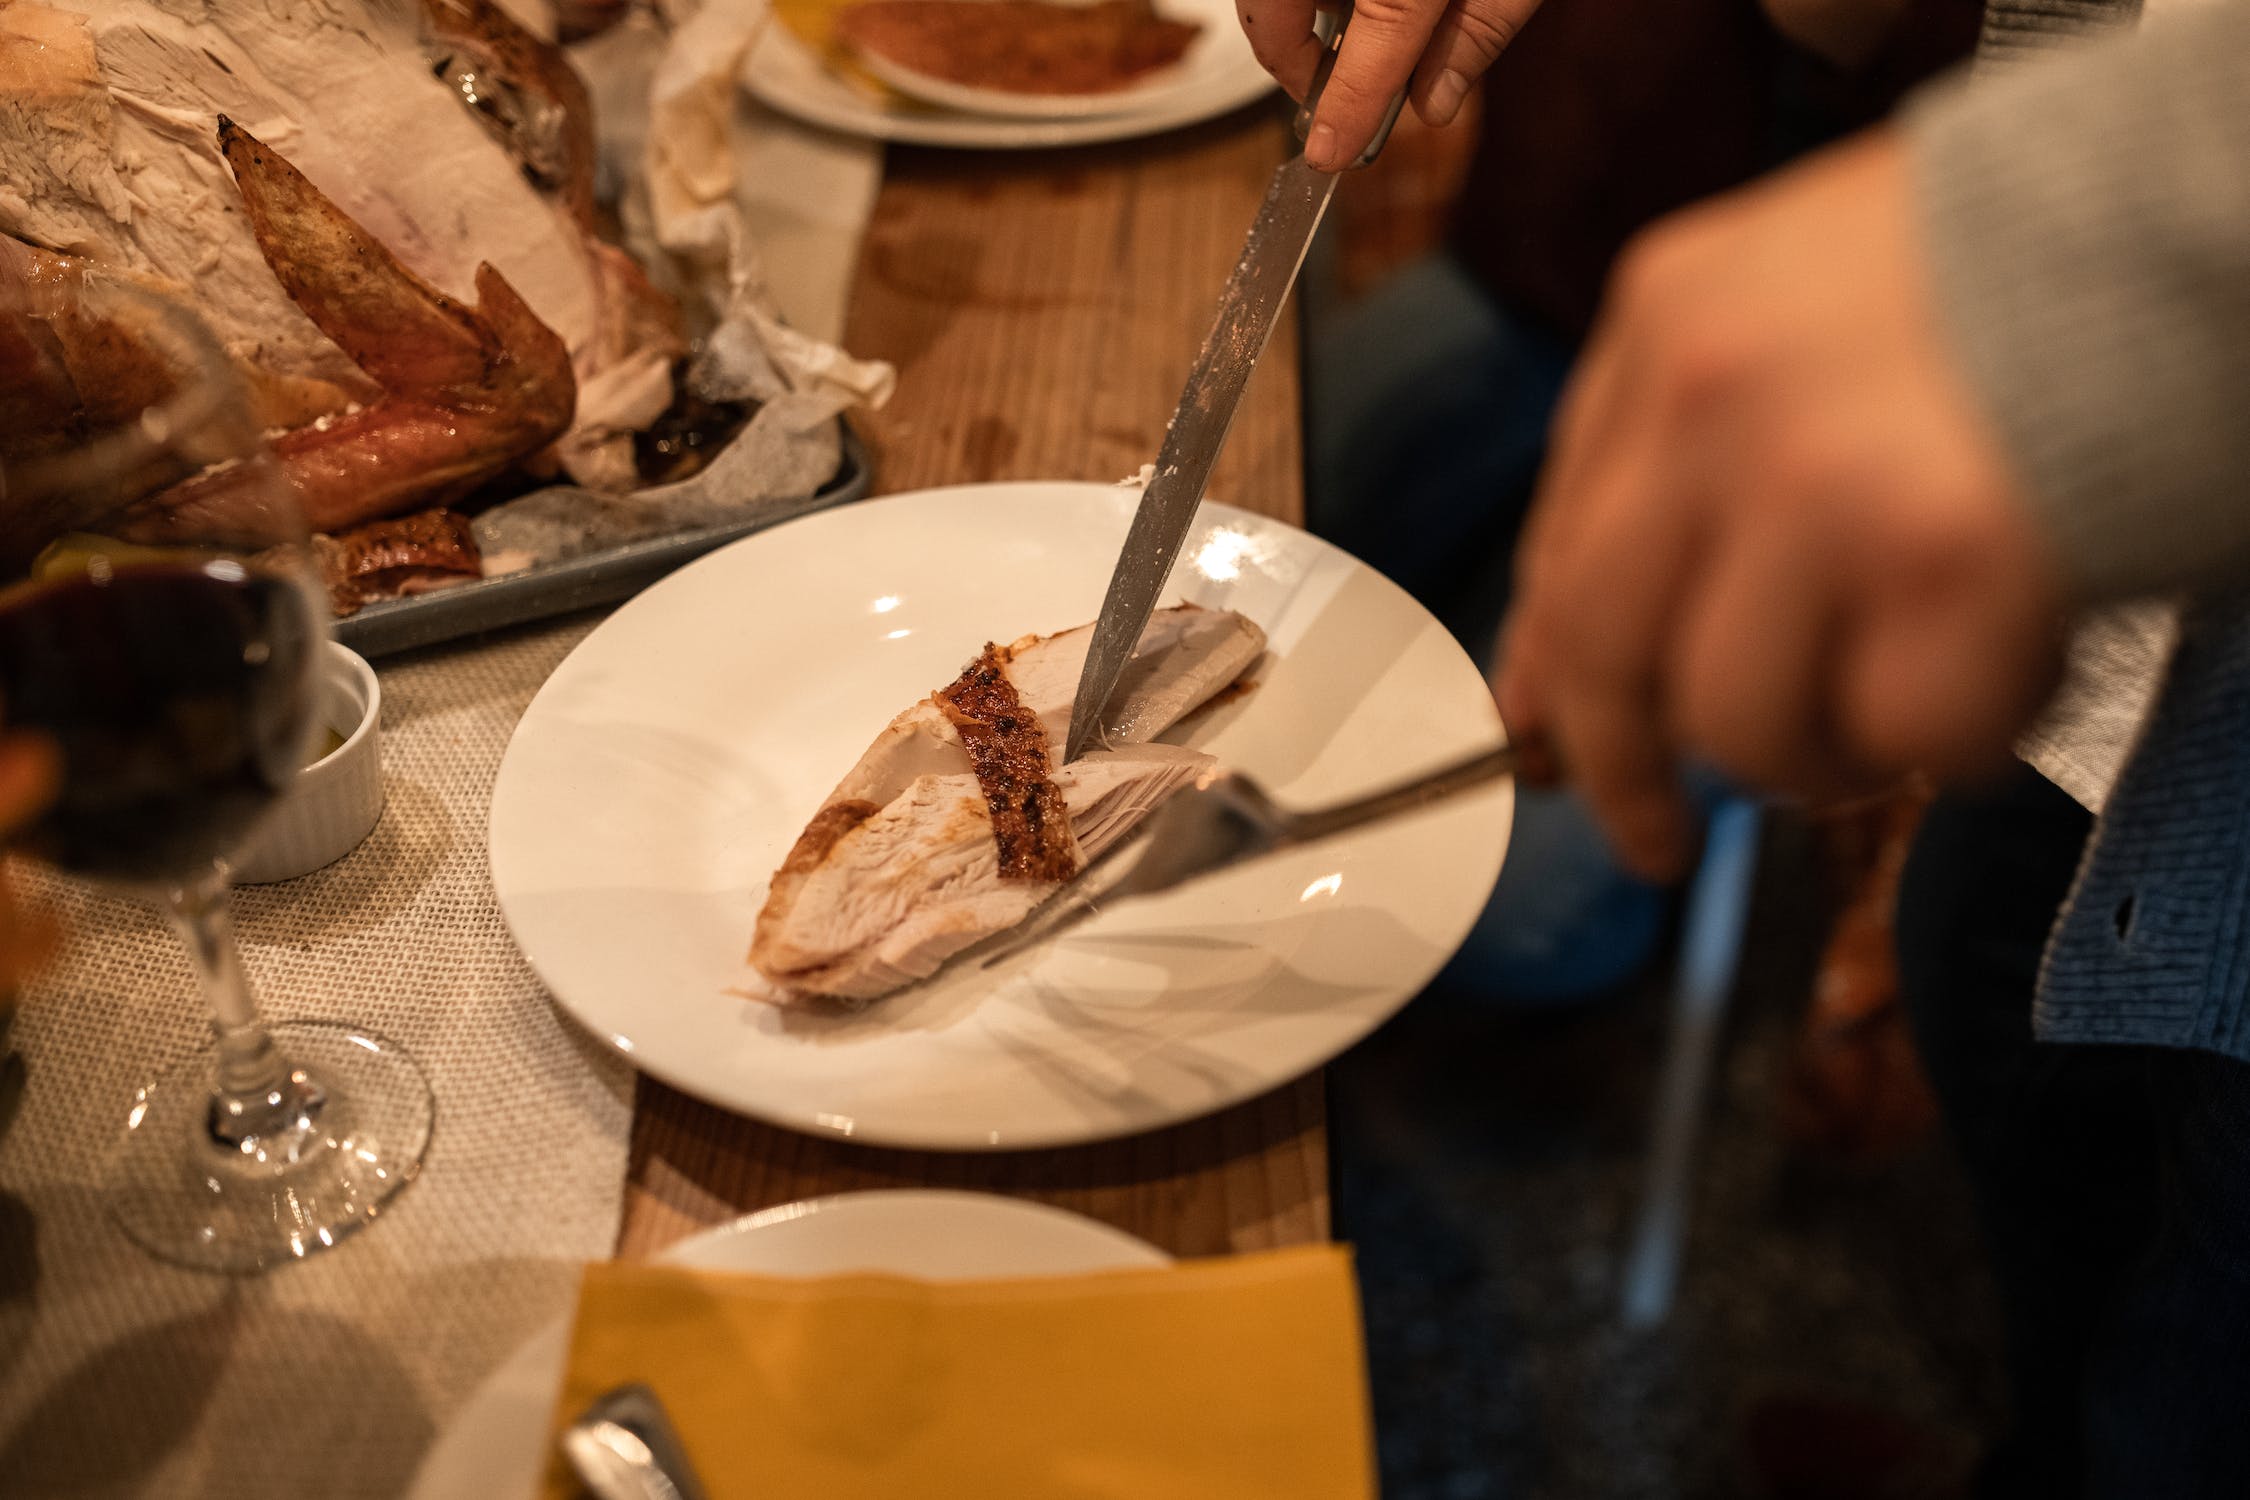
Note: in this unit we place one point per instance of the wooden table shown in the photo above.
(1042, 309)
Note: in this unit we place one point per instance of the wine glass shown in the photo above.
(163, 626)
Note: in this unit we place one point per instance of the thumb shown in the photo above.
(1515, 690)
(1523, 716)
(1382, 44)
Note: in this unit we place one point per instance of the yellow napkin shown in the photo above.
(1229, 1379)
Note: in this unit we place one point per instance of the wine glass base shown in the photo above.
(358, 1119)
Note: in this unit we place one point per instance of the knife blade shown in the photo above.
(1249, 308)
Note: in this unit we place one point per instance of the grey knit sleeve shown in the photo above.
(2015, 29)
(2087, 217)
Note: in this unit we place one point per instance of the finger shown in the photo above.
(1748, 686)
(1281, 38)
(1516, 694)
(1574, 443)
(29, 938)
(1628, 776)
(1944, 684)
(1545, 538)
(1601, 616)
(1381, 46)
(1468, 40)
(30, 772)
(1602, 403)
(1515, 680)
(1617, 379)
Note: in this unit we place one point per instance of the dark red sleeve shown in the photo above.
(1607, 114)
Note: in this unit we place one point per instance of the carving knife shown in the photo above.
(1248, 310)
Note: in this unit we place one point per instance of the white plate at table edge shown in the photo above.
(785, 74)
(646, 796)
(496, 1443)
(1147, 94)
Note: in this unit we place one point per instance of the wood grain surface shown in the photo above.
(1249, 1178)
(1042, 309)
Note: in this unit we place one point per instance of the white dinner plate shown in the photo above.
(666, 767)
(495, 1444)
(969, 99)
(1217, 74)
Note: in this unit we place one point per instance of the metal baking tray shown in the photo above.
(604, 577)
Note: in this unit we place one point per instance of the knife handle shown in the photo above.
(1328, 25)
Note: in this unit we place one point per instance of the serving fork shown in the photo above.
(1226, 818)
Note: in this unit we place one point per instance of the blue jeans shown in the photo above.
(1428, 408)
(2113, 1183)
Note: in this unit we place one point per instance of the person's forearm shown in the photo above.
(2088, 222)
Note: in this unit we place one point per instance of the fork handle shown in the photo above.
(1527, 760)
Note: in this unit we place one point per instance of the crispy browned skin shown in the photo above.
(827, 828)
(1022, 46)
(73, 368)
(384, 559)
(533, 100)
(528, 94)
(465, 391)
(38, 397)
(1006, 744)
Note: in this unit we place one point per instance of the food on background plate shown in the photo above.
(1019, 46)
(385, 210)
(957, 823)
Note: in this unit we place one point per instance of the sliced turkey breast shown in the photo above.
(920, 851)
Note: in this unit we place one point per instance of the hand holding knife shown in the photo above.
(1249, 308)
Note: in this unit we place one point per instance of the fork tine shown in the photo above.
(1221, 820)
(1065, 909)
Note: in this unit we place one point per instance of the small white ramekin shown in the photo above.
(336, 801)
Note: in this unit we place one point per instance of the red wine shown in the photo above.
(180, 696)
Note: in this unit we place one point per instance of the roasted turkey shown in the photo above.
(384, 209)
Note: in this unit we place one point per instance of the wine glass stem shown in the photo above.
(253, 1094)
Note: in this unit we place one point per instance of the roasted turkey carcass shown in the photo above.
(383, 208)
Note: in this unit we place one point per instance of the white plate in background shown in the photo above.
(1217, 75)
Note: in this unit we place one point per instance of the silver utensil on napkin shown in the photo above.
(622, 1447)
(1248, 310)
(1226, 819)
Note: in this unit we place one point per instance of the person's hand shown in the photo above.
(1776, 533)
(29, 774)
(1443, 46)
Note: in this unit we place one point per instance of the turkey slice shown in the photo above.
(900, 868)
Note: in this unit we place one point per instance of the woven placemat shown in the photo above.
(121, 1376)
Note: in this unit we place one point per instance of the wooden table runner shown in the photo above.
(1042, 308)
